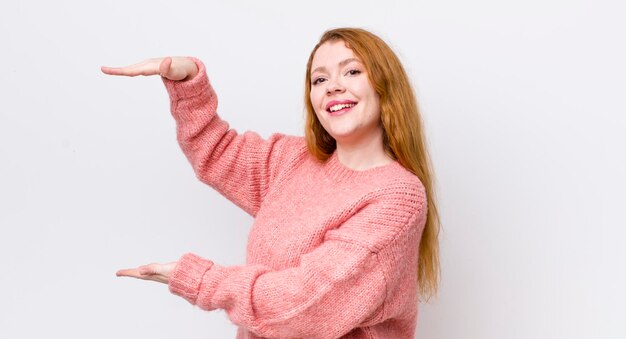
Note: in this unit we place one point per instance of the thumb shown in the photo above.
(151, 269)
(165, 66)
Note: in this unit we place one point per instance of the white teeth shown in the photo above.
(335, 108)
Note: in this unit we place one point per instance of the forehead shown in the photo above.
(332, 53)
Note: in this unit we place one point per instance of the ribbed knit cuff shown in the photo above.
(187, 276)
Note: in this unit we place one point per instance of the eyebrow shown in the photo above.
(341, 64)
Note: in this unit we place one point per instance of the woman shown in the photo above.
(344, 238)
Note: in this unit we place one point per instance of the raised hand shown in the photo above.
(155, 272)
(173, 68)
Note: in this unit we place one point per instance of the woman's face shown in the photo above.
(344, 101)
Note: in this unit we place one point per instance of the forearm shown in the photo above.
(240, 166)
(322, 298)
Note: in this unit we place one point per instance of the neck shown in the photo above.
(364, 154)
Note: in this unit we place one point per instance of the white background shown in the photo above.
(523, 103)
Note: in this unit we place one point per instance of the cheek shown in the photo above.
(366, 91)
(316, 100)
(374, 99)
(376, 104)
(315, 94)
(373, 106)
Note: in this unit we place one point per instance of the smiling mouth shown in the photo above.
(340, 107)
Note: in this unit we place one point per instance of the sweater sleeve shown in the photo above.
(239, 166)
(340, 285)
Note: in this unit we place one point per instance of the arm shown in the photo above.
(322, 298)
(310, 301)
(340, 285)
(241, 167)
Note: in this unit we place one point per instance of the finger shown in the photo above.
(131, 70)
(111, 70)
(129, 272)
(146, 67)
(151, 269)
(156, 272)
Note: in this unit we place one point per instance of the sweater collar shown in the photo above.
(338, 171)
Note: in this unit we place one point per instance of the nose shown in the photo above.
(334, 86)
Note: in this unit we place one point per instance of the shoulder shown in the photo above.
(399, 189)
(395, 206)
(295, 143)
(402, 204)
(287, 153)
(287, 148)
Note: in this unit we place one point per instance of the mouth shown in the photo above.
(338, 107)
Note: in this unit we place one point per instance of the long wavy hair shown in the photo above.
(403, 134)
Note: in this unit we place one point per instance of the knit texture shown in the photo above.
(332, 252)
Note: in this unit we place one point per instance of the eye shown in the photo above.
(353, 72)
(318, 81)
